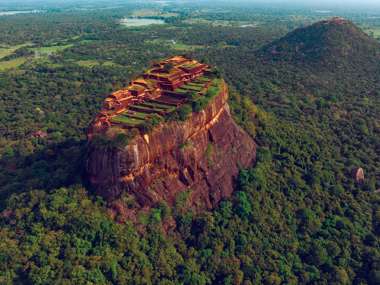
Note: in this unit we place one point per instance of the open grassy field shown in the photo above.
(14, 63)
(5, 52)
(41, 52)
(371, 30)
(185, 47)
(47, 50)
(375, 32)
(178, 46)
(152, 13)
(92, 63)
(222, 23)
(8, 50)
(88, 63)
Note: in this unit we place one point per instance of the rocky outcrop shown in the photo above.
(201, 155)
(358, 174)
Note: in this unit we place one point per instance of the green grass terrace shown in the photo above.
(137, 114)
(194, 86)
(194, 95)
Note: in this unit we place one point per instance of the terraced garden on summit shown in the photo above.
(176, 104)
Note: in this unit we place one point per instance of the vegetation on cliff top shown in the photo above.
(198, 102)
(117, 137)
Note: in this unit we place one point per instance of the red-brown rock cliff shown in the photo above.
(202, 154)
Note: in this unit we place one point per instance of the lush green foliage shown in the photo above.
(296, 217)
(293, 227)
(199, 102)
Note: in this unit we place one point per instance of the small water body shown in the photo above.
(248, 26)
(140, 22)
(323, 11)
(11, 13)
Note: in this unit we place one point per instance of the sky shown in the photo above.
(311, 2)
(283, 3)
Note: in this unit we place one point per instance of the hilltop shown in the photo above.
(329, 63)
(330, 44)
(326, 77)
(166, 90)
(168, 133)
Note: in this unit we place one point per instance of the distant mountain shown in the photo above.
(331, 44)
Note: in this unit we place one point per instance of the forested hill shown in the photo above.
(324, 77)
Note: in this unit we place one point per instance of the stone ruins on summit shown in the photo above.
(163, 88)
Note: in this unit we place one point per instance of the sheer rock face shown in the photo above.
(202, 154)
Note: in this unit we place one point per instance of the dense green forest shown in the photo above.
(296, 217)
